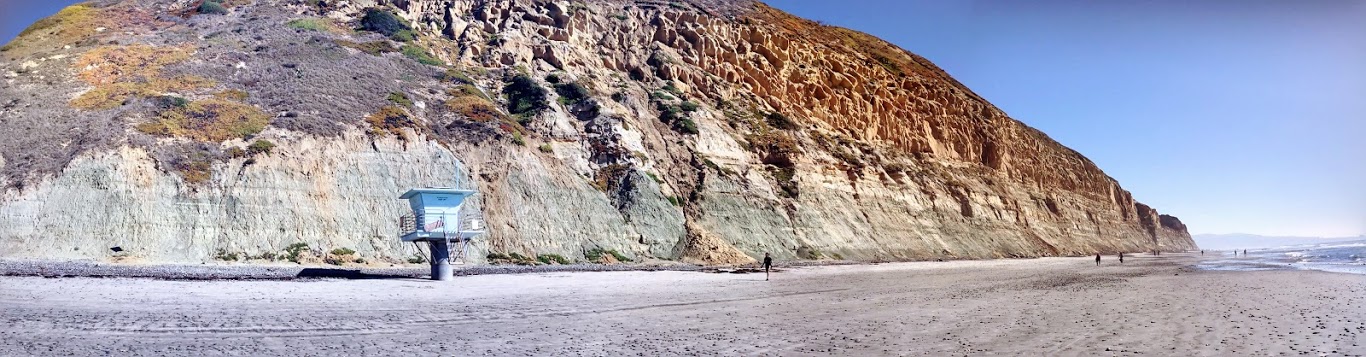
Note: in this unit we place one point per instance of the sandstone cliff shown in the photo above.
(675, 130)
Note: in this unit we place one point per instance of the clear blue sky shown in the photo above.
(1237, 116)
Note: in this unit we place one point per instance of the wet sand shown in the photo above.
(1054, 306)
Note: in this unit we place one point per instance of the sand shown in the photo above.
(1054, 306)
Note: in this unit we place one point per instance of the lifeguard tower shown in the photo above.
(440, 219)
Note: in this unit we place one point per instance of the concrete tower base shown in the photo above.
(441, 260)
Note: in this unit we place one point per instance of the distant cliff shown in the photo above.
(700, 131)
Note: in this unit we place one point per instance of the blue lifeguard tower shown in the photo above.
(440, 218)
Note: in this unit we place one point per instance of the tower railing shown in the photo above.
(408, 223)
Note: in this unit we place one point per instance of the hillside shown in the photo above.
(700, 131)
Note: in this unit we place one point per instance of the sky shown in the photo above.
(1243, 116)
(16, 15)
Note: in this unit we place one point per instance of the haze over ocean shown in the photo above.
(1236, 116)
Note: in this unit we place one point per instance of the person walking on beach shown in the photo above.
(768, 264)
(1121, 257)
(1097, 259)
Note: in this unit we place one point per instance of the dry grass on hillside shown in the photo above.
(390, 120)
(120, 73)
(209, 120)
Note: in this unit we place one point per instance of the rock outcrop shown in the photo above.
(681, 130)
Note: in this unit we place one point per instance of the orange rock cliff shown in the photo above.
(696, 131)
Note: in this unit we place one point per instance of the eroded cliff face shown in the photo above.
(693, 131)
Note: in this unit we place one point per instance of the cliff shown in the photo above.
(701, 131)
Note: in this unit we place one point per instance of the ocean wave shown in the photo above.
(1343, 245)
(1340, 257)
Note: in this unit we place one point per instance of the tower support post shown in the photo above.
(441, 259)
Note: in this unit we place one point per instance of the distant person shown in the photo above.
(1097, 259)
(768, 264)
(1244, 252)
(1202, 252)
(1121, 257)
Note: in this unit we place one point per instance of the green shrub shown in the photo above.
(420, 55)
(374, 48)
(417, 259)
(520, 259)
(403, 36)
(552, 78)
(266, 256)
(293, 250)
(525, 96)
(654, 177)
(571, 93)
(552, 258)
(212, 7)
(619, 96)
(515, 258)
(596, 255)
(668, 113)
(455, 76)
(262, 146)
(675, 201)
(686, 126)
(343, 251)
(677, 93)
(400, 99)
(310, 24)
(517, 139)
(785, 177)
(174, 101)
(545, 148)
(225, 255)
(710, 164)
(780, 121)
(688, 107)
(383, 21)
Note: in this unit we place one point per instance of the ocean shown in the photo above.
(1340, 257)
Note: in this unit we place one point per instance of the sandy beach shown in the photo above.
(1053, 306)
